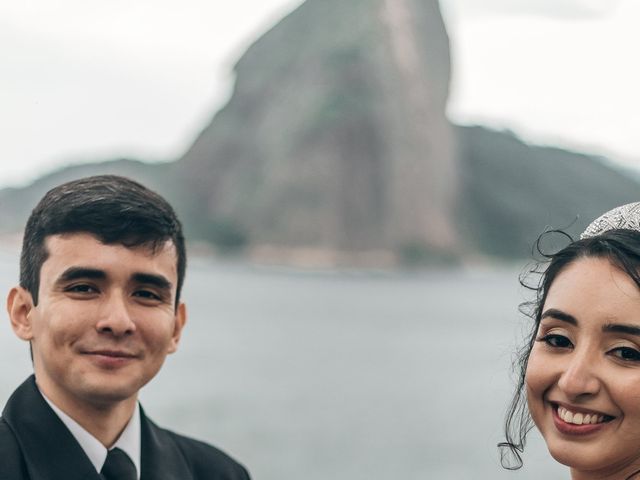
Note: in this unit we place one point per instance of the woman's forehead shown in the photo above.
(593, 285)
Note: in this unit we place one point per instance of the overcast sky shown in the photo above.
(95, 79)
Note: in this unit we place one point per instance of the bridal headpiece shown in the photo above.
(626, 216)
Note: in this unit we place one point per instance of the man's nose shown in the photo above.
(580, 376)
(116, 317)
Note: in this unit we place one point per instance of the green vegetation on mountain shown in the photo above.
(513, 191)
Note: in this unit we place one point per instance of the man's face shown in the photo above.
(105, 319)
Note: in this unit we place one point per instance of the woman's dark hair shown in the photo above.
(622, 248)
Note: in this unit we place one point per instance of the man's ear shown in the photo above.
(178, 325)
(19, 307)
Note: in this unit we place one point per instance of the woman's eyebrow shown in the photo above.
(609, 327)
(621, 328)
(559, 315)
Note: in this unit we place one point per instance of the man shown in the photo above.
(102, 265)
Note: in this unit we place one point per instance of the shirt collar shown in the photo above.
(129, 439)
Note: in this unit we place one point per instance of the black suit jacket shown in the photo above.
(36, 445)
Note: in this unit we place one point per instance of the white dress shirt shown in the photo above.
(129, 439)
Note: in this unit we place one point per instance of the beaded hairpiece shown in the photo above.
(626, 217)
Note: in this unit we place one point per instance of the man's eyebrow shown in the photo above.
(75, 273)
(621, 328)
(156, 280)
(559, 315)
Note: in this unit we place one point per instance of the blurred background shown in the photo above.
(361, 184)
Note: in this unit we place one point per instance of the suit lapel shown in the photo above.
(50, 450)
(52, 453)
(160, 456)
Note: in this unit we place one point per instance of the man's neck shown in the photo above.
(104, 420)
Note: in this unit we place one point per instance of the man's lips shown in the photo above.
(111, 353)
(110, 359)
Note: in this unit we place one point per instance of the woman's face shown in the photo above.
(583, 375)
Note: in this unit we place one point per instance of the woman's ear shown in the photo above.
(19, 307)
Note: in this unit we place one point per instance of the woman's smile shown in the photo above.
(576, 417)
(576, 421)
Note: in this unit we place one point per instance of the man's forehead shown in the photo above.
(86, 248)
(150, 247)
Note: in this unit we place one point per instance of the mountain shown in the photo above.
(335, 143)
(335, 136)
(16, 203)
(512, 191)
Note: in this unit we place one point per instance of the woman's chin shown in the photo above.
(574, 456)
(597, 465)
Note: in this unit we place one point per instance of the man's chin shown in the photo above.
(107, 392)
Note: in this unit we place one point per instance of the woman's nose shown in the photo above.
(580, 375)
(116, 317)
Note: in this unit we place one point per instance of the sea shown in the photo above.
(338, 375)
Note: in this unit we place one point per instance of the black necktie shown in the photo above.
(118, 466)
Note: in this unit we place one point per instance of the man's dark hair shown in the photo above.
(114, 209)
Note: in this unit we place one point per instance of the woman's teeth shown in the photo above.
(579, 418)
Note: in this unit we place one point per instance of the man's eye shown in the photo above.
(81, 288)
(556, 341)
(147, 294)
(626, 353)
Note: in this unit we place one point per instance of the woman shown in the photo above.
(580, 369)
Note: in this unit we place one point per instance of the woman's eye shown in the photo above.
(556, 341)
(627, 354)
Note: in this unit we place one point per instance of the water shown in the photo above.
(338, 376)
